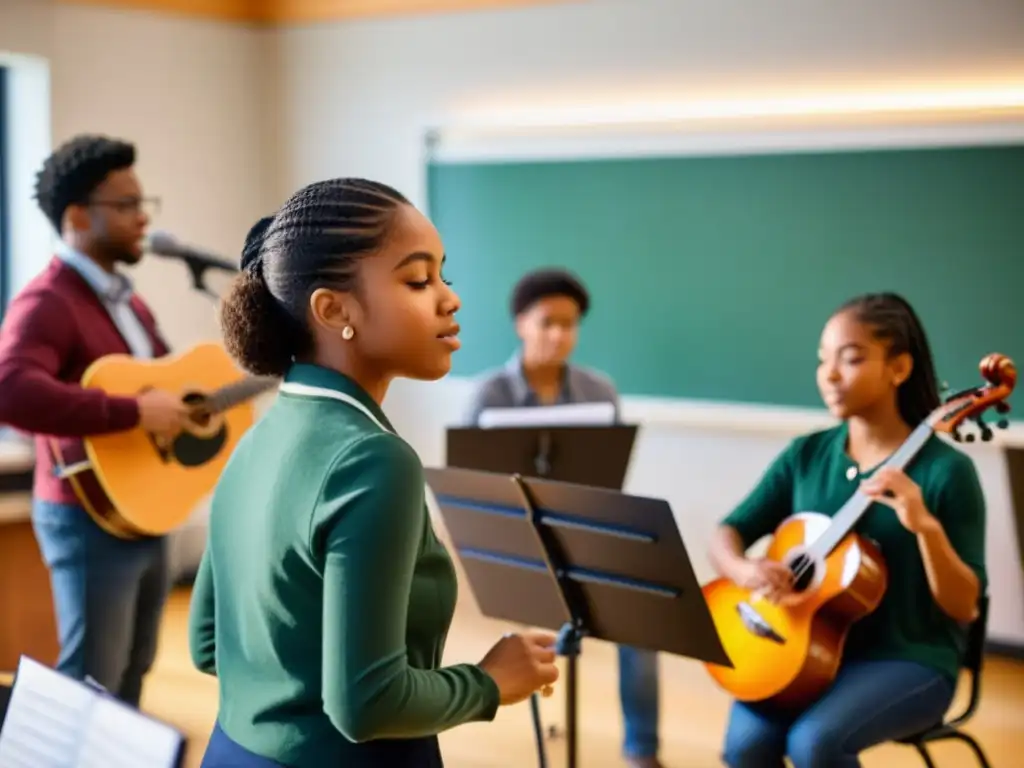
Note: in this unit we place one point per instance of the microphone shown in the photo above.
(167, 246)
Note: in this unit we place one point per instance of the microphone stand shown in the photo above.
(197, 271)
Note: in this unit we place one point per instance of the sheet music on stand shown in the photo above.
(54, 721)
(566, 415)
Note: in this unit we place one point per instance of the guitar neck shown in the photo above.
(231, 395)
(853, 510)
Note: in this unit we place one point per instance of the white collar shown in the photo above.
(305, 390)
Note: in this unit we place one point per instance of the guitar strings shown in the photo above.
(904, 453)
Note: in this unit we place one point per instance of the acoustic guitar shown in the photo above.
(135, 485)
(788, 653)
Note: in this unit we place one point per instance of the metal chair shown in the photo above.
(974, 658)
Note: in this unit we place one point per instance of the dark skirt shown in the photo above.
(224, 752)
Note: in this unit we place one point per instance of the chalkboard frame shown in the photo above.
(1003, 135)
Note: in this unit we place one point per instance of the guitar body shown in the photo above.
(134, 486)
(788, 654)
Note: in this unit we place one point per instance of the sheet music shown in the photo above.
(575, 414)
(56, 722)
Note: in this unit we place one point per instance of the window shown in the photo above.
(5, 230)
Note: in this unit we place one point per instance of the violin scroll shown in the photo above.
(1000, 373)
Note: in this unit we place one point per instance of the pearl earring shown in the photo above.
(347, 332)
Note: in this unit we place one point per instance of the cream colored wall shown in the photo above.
(26, 26)
(357, 96)
(190, 95)
(194, 97)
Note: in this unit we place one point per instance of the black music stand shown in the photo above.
(582, 561)
(597, 456)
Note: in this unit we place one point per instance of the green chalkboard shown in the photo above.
(713, 275)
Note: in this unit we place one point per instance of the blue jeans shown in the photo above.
(108, 594)
(871, 702)
(638, 695)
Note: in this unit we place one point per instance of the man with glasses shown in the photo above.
(108, 592)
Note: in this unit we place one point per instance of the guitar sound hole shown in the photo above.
(192, 451)
(803, 572)
(196, 450)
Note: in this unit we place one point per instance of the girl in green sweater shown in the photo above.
(324, 597)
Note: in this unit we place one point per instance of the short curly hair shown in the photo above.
(74, 170)
(542, 283)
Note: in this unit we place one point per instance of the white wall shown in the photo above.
(356, 98)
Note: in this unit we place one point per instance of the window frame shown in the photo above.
(5, 212)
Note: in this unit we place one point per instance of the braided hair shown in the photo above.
(314, 241)
(893, 319)
(74, 170)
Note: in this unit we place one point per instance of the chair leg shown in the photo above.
(975, 747)
(922, 750)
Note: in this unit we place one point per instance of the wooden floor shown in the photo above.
(693, 710)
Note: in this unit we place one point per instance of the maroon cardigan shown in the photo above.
(55, 328)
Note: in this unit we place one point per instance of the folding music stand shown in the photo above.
(582, 561)
(597, 456)
(53, 720)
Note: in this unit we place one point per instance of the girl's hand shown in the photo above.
(767, 577)
(522, 664)
(893, 488)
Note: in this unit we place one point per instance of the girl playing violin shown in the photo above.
(901, 662)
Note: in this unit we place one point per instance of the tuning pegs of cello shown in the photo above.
(1003, 408)
(983, 428)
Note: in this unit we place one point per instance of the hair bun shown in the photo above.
(254, 241)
